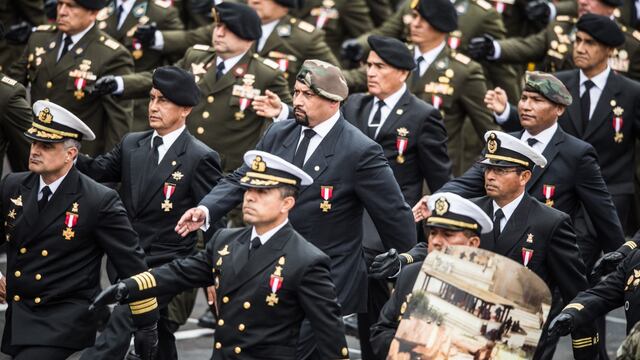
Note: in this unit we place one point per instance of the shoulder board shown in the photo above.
(46, 28)
(565, 18)
(110, 43)
(163, 3)
(636, 34)
(201, 47)
(306, 26)
(8, 80)
(484, 4)
(462, 58)
(270, 63)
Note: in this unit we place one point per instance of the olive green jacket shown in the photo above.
(11, 13)
(15, 119)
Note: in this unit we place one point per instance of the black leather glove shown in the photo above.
(113, 294)
(351, 50)
(538, 11)
(607, 263)
(481, 47)
(106, 85)
(561, 325)
(146, 34)
(145, 342)
(386, 264)
(18, 33)
(51, 9)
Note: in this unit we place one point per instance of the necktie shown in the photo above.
(66, 46)
(119, 17)
(376, 120)
(416, 71)
(157, 141)
(298, 159)
(255, 243)
(532, 141)
(496, 223)
(585, 104)
(219, 70)
(45, 198)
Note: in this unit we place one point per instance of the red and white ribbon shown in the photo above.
(436, 100)
(527, 254)
(326, 192)
(401, 144)
(617, 123)
(168, 190)
(71, 219)
(548, 191)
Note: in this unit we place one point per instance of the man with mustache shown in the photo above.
(350, 175)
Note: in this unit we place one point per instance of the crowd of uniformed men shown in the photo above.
(297, 160)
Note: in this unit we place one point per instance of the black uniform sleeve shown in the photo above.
(468, 185)
(207, 175)
(434, 161)
(103, 168)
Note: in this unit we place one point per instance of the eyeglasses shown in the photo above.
(501, 171)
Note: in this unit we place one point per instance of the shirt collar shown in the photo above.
(324, 127)
(599, 80)
(170, 138)
(544, 137)
(430, 55)
(77, 37)
(393, 99)
(127, 5)
(509, 208)
(266, 236)
(53, 186)
(230, 62)
(267, 28)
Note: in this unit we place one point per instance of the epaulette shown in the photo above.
(9, 81)
(110, 43)
(46, 27)
(270, 63)
(484, 4)
(305, 26)
(201, 47)
(163, 3)
(462, 58)
(565, 18)
(636, 34)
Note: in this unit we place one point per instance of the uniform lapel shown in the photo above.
(208, 79)
(395, 113)
(70, 59)
(111, 19)
(29, 192)
(129, 22)
(604, 108)
(487, 240)
(290, 144)
(51, 56)
(272, 40)
(318, 162)
(239, 254)
(515, 227)
(549, 153)
(139, 156)
(229, 78)
(363, 118)
(573, 84)
(264, 257)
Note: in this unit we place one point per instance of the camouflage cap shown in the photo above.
(324, 79)
(548, 86)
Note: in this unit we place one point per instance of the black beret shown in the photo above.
(294, 4)
(392, 51)
(92, 4)
(177, 85)
(602, 29)
(240, 19)
(613, 3)
(441, 14)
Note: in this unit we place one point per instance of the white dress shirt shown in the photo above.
(389, 103)
(544, 137)
(429, 57)
(74, 39)
(267, 235)
(53, 186)
(600, 81)
(507, 210)
(230, 62)
(167, 141)
(127, 5)
(321, 130)
(267, 29)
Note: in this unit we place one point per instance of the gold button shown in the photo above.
(241, 327)
(49, 84)
(17, 273)
(205, 115)
(225, 299)
(344, 351)
(37, 300)
(210, 99)
(220, 322)
(38, 276)
(16, 297)
(45, 253)
(23, 250)
(237, 350)
(218, 345)
(200, 130)
(246, 305)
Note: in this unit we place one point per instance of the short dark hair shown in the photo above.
(288, 190)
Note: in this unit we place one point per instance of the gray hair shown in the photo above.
(69, 143)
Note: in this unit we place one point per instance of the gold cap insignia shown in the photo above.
(492, 143)
(45, 116)
(442, 206)
(403, 131)
(258, 165)
(414, 3)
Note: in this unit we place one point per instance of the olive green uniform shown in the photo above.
(455, 85)
(551, 50)
(143, 12)
(475, 17)
(340, 19)
(15, 119)
(515, 19)
(289, 44)
(218, 120)
(64, 82)
(14, 12)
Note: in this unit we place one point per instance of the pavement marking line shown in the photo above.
(192, 334)
(616, 320)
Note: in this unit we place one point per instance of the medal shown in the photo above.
(168, 190)
(80, 84)
(402, 142)
(275, 283)
(436, 100)
(246, 93)
(324, 13)
(70, 220)
(500, 6)
(454, 39)
(530, 238)
(326, 192)
(137, 49)
(527, 254)
(547, 192)
(617, 124)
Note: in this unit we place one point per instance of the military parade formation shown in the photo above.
(295, 162)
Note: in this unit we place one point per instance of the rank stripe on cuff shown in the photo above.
(143, 306)
(145, 280)
(408, 257)
(574, 306)
(584, 342)
(631, 244)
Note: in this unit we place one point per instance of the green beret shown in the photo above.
(548, 86)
